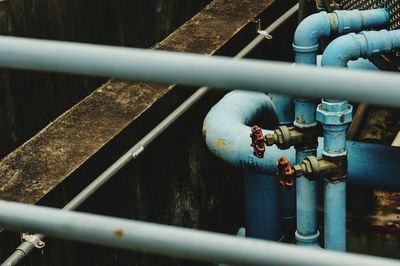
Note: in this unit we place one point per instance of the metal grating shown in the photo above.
(394, 8)
(361, 4)
(393, 5)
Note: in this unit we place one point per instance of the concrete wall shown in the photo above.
(29, 101)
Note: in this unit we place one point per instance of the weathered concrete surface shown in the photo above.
(29, 100)
(35, 168)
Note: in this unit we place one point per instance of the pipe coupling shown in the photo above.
(334, 113)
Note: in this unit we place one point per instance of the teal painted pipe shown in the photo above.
(263, 215)
(338, 54)
(261, 191)
(320, 25)
(226, 131)
(353, 46)
(306, 45)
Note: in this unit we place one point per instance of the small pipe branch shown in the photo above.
(353, 46)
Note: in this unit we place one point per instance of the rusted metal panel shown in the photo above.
(44, 161)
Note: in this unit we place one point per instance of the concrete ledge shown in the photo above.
(43, 162)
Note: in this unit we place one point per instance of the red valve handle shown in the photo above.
(285, 173)
(257, 141)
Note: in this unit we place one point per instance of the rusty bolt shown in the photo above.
(298, 171)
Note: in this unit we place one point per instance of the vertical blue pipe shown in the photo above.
(306, 45)
(338, 54)
(284, 108)
(262, 207)
(307, 226)
(335, 216)
(306, 190)
(335, 117)
(335, 193)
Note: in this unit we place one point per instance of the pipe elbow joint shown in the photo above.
(309, 32)
(353, 46)
(226, 130)
(341, 50)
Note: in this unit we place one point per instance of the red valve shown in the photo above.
(257, 141)
(285, 173)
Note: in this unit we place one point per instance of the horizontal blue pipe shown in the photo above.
(198, 70)
(226, 129)
(353, 46)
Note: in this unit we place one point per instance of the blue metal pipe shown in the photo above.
(306, 190)
(307, 226)
(313, 28)
(338, 54)
(353, 46)
(335, 216)
(262, 206)
(306, 45)
(335, 116)
(284, 106)
(227, 132)
(335, 192)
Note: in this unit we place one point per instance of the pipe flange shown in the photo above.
(301, 126)
(307, 240)
(306, 49)
(334, 113)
